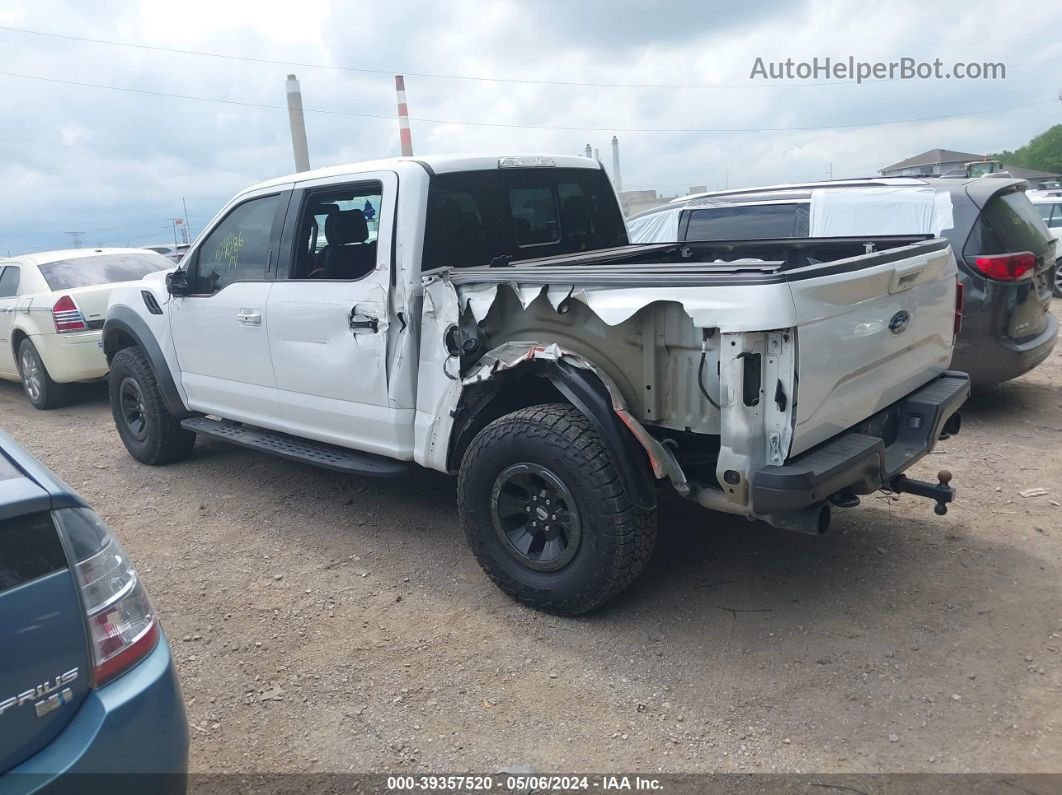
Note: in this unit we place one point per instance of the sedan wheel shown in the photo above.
(1058, 279)
(42, 391)
(32, 380)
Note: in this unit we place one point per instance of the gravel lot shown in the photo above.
(329, 623)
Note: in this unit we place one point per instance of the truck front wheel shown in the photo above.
(151, 434)
(546, 513)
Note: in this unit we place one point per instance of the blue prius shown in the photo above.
(88, 693)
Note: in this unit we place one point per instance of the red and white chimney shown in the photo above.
(404, 136)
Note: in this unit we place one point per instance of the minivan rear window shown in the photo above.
(751, 222)
(66, 274)
(475, 217)
(1015, 224)
(29, 548)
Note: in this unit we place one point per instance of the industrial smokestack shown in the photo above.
(616, 181)
(298, 125)
(588, 152)
(597, 154)
(404, 135)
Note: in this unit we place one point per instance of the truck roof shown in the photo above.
(439, 164)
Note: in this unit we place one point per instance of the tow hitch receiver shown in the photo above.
(940, 491)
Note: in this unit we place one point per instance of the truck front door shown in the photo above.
(219, 331)
(328, 317)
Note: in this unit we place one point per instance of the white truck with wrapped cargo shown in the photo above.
(487, 317)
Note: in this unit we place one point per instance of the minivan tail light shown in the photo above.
(67, 316)
(1006, 267)
(122, 625)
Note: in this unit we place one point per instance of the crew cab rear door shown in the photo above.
(870, 329)
(328, 315)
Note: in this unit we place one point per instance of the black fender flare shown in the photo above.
(587, 392)
(123, 320)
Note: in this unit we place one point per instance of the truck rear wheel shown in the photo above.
(546, 513)
(151, 434)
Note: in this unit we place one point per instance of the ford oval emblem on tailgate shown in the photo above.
(900, 321)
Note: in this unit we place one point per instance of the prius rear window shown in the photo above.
(66, 274)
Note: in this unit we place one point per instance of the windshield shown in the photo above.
(66, 274)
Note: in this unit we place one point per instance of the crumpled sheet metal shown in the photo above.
(515, 353)
(711, 307)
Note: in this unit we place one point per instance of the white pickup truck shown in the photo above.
(487, 317)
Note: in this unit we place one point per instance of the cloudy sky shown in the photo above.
(671, 79)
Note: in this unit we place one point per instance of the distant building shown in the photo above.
(637, 201)
(940, 162)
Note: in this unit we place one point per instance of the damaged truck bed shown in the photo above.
(760, 378)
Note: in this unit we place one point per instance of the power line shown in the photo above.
(122, 227)
(567, 128)
(443, 76)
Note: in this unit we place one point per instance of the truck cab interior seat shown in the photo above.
(347, 254)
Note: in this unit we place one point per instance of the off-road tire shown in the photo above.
(44, 393)
(616, 540)
(161, 439)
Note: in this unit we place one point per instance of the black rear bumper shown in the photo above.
(859, 461)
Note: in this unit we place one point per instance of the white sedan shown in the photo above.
(52, 307)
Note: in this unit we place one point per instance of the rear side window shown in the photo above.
(102, 269)
(1008, 223)
(477, 216)
(29, 548)
(757, 222)
(9, 278)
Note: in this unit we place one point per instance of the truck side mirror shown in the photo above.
(177, 283)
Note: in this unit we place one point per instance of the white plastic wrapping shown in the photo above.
(661, 227)
(850, 212)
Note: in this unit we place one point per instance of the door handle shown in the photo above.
(248, 317)
(367, 322)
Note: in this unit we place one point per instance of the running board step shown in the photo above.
(294, 448)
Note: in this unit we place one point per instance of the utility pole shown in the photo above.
(75, 239)
(829, 172)
(405, 137)
(616, 181)
(187, 226)
(298, 126)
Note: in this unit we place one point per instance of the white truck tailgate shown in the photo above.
(868, 334)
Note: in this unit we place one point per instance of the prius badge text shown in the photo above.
(45, 697)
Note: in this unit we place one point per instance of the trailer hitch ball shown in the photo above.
(943, 479)
(940, 492)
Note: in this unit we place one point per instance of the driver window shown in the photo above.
(338, 233)
(238, 249)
